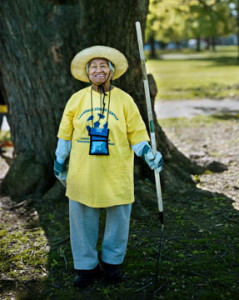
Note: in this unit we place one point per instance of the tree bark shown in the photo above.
(38, 44)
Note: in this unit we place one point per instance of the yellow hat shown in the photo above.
(79, 62)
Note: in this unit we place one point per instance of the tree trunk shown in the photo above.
(38, 44)
(213, 43)
(152, 47)
(198, 47)
(208, 43)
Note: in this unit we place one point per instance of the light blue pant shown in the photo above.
(84, 227)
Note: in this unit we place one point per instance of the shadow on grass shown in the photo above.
(225, 115)
(218, 61)
(223, 61)
(212, 91)
(199, 259)
(222, 114)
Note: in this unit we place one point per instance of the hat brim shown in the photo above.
(79, 62)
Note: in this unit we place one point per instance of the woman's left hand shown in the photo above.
(155, 162)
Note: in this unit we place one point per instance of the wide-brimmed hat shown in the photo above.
(79, 62)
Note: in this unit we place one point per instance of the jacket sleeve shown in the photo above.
(63, 150)
(138, 148)
(136, 129)
(66, 126)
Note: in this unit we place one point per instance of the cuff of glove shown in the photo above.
(59, 168)
(145, 150)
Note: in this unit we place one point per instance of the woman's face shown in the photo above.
(99, 71)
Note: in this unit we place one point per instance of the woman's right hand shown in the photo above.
(60, 170)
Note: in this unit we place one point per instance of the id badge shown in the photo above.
(99, 141)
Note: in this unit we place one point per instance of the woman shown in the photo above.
(100, 130)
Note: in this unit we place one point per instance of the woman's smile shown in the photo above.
(99, 72)
(99, 76)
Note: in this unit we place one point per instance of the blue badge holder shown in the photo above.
(99, 141)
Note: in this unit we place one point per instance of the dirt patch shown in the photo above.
(206, 140)
(192, 108)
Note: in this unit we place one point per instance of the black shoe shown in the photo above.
(112, 273)
(84, 278)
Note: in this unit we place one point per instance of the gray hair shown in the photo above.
(111, 67)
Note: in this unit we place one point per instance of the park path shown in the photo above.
(192, 108)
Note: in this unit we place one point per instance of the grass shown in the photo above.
(199, 255)
(197, 76)
(5, 135)
(197, 121)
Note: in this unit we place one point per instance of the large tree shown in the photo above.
(39, 39)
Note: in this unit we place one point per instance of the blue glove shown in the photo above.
(155, 162)
(60, 170)
(60, 165)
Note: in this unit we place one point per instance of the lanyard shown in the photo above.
(102, 104)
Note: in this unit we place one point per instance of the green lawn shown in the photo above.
(197, 76)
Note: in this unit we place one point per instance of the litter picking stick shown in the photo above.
(154, 147)
(150, 119)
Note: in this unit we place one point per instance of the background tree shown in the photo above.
(38, 44)
(209, 19)
(175, 20)
(234, 6)
(166, 21)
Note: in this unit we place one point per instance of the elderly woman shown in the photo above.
(100, 130)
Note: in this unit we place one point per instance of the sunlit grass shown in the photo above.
(204, 75)
(5, 135)
(197, 121)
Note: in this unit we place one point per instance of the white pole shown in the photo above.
(150, 116)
